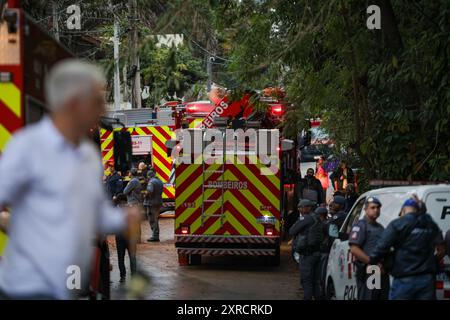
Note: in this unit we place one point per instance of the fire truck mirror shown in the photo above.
(122, 150)
(170, 144)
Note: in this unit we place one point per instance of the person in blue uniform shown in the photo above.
(364, 236)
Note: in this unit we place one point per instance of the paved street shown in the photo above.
(217, 277)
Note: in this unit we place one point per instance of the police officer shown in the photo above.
(364, 236)
(414, 237)
(322, 213)
(338, 216)
(337, 210)
(152, 203)
(309, 255)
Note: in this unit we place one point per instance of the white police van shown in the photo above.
(340, 282)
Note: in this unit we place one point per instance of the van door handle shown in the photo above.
(441, 199)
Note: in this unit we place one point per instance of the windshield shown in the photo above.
(391, 205)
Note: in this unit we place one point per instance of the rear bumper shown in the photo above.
(227, 252)
(227, 245)
(168, 205)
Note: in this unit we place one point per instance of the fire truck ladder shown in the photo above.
(220, 170)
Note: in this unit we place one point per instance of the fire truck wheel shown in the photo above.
(195, 259)
(274, 261)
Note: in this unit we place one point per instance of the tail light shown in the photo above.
(268, 231)
(185, 230)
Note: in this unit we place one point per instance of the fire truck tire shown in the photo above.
(195, 259)
(274, 261)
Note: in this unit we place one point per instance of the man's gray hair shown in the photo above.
(70, 78)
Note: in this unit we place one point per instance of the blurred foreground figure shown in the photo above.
(58, 204)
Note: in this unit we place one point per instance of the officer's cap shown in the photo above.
(372, 200)
(339, 200)
(411, 203)
(305, 203)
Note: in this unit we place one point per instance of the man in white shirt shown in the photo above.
(58, 204)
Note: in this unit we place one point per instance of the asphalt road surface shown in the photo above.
(240, 278)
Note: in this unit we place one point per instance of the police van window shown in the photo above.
(390, 206)
(354, 215)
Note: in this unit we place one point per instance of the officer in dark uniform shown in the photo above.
(363, 239)
(415, 237)
(322, 213)
(309, 256)
(338, 216)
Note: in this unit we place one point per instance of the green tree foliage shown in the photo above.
(384, 94)
(169, 72)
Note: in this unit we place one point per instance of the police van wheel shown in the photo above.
(195, 259)
(331, 292)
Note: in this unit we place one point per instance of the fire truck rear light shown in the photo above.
(6, 77)
(185, 230)
(268, 231)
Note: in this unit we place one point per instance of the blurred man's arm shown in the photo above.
(119, 220)
(14, 174)
(110, 219)
(4, 221)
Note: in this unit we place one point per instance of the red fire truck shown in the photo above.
(230, 207)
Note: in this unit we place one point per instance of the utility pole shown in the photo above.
(209, 61)
(116, 64)
(125, 80)
(136, 83)
(55, 16)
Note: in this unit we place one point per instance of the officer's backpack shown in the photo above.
(315, 236)
(312, 239)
